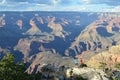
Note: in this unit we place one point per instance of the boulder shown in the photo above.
(89, 73)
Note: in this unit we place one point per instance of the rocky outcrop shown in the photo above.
(28, 46)
(56, 27)
(2, 21)
(20, 23)
(40, 20)
(44, 58)
(34, 30)
(3, 52)
(111, 22)
(23, 46)
(89, 73)
(110, 57)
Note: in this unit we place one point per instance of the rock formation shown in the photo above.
(2, 21)
(44, 58)
(20, 23)
(110, 57)
(101, 34)
(34, 30)
(89, 73)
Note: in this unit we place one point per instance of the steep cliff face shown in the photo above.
(99, 35)
(49, 31)
(32, 44)
(64, 33)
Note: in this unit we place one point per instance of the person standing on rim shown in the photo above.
(81, 62)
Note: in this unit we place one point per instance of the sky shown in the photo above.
(61, 5)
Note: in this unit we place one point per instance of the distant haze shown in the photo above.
(61, 5)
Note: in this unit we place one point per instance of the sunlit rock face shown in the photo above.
(99, 35)
(71, 34)
(44, 58)
(88, 73)
(25, 32)
(110, 57)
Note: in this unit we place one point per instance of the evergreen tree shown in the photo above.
(9, 70)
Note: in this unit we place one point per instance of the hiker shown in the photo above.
(81, 62)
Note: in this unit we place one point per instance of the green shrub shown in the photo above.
(117, 65)
(9, 70)
(102, 65)
(116, 79)
(78, 77)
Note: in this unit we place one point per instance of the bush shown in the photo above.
(117, 65)
(78, 77)
(116, 79)
(102, 65)
(9, 70)
(83, 65)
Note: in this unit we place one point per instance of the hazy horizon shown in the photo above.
(61, 5)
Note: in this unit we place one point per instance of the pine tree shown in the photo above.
(9, 70)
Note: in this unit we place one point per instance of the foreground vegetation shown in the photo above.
(9, 70)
